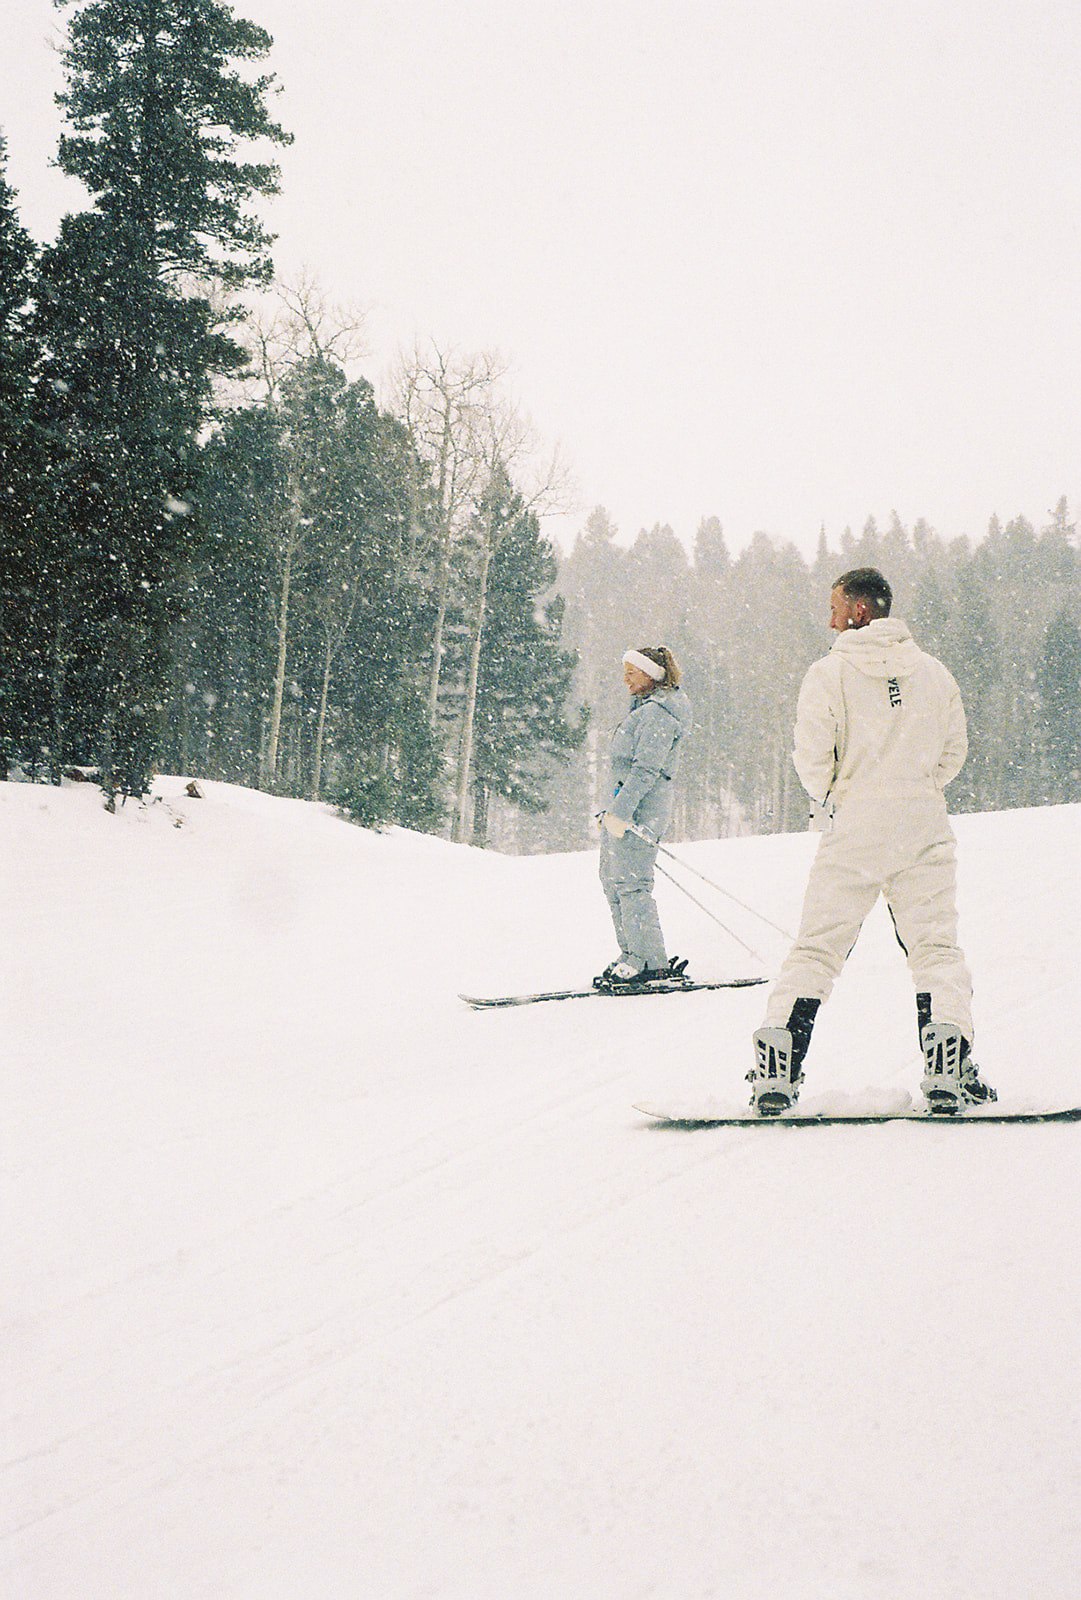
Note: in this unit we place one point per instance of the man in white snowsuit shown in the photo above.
(880, 732)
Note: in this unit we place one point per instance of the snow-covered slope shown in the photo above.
(319, 1284)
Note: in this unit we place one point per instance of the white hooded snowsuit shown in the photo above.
(880, 731)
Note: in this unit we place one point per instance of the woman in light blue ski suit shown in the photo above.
(644, 760)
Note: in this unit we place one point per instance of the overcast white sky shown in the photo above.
(786, 262)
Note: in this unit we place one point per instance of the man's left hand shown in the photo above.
(615, 825)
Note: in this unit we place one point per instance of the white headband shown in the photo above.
(635, 658)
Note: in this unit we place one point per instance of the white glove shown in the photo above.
(821, 817)
(615, 825)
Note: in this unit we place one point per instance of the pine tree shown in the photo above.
(323, 461)
(123, 388)
(16, 346)
(22, 702)
(223, 640)
(774, 631)
(592, 582)
(711, 557)
(366, 612)
(1058, 686)
(703, 803)
(158, 111)
(658, 572)
(524, 678)
(971, 649)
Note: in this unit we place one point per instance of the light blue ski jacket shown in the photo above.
(645, 754)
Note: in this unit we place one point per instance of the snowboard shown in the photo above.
(487, 1003)
(838, 1109)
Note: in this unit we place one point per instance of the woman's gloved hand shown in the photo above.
(615, 825)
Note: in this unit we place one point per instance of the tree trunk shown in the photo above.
(270, 759)
(786, 794)
(775, 785)
(317, 776)
(183, 753)
(437, 638)
(444, 573)
(481, 797)
(58, 691)
(292, 544)
(465, 749)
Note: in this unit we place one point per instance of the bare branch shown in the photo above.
(291, 324)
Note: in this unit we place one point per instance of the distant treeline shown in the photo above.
(1003, 613)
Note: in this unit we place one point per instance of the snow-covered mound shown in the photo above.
(318, 1283)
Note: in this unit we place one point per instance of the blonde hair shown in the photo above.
(661, 656)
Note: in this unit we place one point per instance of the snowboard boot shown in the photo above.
(951, 1081)
(923, 1014)
(777, 1073)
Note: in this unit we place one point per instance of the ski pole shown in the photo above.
(644, 833)
(751, 951)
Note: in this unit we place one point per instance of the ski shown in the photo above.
(833, 1111)
(487, 1003)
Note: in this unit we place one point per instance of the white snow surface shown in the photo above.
(318, 1283)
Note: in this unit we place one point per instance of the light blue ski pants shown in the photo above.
(627, 879)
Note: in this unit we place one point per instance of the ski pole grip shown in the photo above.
(642, 833)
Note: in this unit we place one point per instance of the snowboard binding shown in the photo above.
(775, 1081)
(951, 1081)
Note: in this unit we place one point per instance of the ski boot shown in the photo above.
(618, 978)
(622, 978)
(951, 1081)
(777, 1073)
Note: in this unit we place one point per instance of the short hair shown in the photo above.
(867, 583)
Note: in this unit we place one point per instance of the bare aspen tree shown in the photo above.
(298, 326)
(288, 549)
(441, 397)
(346, 564)
(335, 621)
(293, 324)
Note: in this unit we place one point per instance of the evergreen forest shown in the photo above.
(223, 555)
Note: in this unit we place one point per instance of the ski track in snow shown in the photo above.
(321, 1284)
